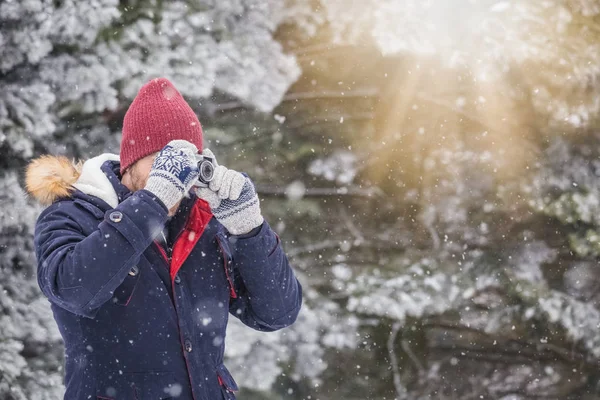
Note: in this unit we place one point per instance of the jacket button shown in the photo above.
(188, 345)
(177, 279)
(134, 270)
(116, 216)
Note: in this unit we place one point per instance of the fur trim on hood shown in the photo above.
(49, 178)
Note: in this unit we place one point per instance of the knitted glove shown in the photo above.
(232, 198)
(173, 172)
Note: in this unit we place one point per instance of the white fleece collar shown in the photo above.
(93, 182)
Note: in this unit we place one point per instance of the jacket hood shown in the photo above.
(49, 178)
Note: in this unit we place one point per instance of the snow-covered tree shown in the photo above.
(432, 174)
(471, 260)
(68, 70)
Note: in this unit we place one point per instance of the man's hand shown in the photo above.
(173, 173)
(232, 199)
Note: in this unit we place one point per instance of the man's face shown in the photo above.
(136, 176)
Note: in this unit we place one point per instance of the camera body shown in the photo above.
(206, 167)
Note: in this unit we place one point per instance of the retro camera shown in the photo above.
(206, 167)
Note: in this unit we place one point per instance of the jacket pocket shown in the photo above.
(139, 386)
(228, 385)
(277, 242)
(124, 292)
(223, 243)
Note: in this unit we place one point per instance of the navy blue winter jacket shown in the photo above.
(141, 322)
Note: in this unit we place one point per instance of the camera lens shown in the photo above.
(207, 171)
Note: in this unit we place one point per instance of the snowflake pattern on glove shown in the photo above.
(174, 172)
(173, 161)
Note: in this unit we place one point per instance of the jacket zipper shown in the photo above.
(170, 249)
(168, 254)
(163, 253)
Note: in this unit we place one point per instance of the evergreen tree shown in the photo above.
(431, 171)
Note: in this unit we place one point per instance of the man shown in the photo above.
(142, 265)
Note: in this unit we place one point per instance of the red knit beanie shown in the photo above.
(157, 115)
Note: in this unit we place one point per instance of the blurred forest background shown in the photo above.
(431, 165)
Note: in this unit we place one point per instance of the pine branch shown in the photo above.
(326, 94)
(400, 389)
(372, 191)
(322, 245)
(527, 348)
(327, 49)
(330, 119)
